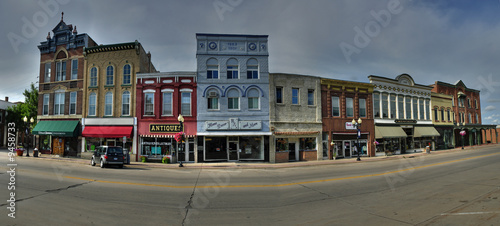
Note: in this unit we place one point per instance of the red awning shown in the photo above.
(108, 131)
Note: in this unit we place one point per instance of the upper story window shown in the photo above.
(213, 99)
(362, 107)
(470, 118)
(401, 107)
(453, 101)
(252, 69)
(108, 104)
(393, 105)
(428, 109)
(436, 114)
(167, 102)
(415, 108)
(149, 101)
(61, 71)
(109, 75)
(335, 106)
(92, 104)
(233, 100)
(47, 72)
(93, 77)
(126, 103)
(279, 95)
(442, 114)
(74, 69)
(72, 103)
(449, 115)
(59, 103)
(212, 69)
(385, 105)
(46, 98)
(253, 100)
(468, 103)
(349, 102)
(475, 104)
(376, 105)
(126, 74)
(310, 97)
(421, 108)
(477, 118)
(186, 103)
(461, 102)
(295, 95)
(232, 69)
(408, 107)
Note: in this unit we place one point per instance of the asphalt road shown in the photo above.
(453, 188)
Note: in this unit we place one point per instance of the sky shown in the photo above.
(342, 39)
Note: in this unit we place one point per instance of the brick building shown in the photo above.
(61, 90)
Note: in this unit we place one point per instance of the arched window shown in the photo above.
(92, 104)
(233, 100)
(126, 74)
(93, 77)
(253, 99)
(109, 75)
(108, 104)
(232, 69)
(212, 69)
(126, 103)
(252, 69)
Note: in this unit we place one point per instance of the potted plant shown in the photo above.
(165, 160)
(19, 150)
(144, 158)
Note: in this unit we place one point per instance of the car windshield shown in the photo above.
(115, 150)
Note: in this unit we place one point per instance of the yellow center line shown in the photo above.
(282, 185)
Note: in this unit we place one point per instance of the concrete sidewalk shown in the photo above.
(85, 159)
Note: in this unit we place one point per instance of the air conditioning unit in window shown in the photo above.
(212, 94)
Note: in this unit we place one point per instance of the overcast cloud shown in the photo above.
(445, 41)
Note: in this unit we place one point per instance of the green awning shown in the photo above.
(389, 132)
(426, 132)
(58, 128)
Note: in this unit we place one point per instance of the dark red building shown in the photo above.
(161, 98)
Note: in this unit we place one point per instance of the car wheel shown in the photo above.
(102, 164)
(120, 166)
(92, 162)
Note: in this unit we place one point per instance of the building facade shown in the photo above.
(61, 94)
(343, 101)
(161, 99)
(4, 104)
(402, 114)
(466, 104)
(233, 97)
(295, 118)
(109, 101)
(443, 118)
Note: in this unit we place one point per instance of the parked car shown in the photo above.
(108, 155)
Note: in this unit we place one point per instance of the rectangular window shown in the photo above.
(74, 69)
(232, 72)
(393, 105)
(72, 103)
(362, 108)
(408, 107)
(470, 119)
(421, 105)
(212, 72)
(149, 100)
(401, 107)
(279, 95)
(415, 108)
(252, 72)
(253, 103)
(349, 107)
(477, 118)
(448, 114)
(46, 98)
(310, 97)
(59, 104)
(213, 103)
(468, 103)
(436, 114)
(427, 109)
(385, 105)
(126, 103)
(453, 101)
(295, 96)
(475, 104)
(47, 72)
(92, 104)
(186, 103)
(167, 104)
(442, 115)
(335, 107)
(61, 71)
(376, 105)
(108, 104)
(233, 103)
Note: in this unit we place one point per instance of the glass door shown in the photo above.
(233, 147)
(347, 148)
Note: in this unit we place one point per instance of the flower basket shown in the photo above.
(19, 152)
(165, 160)
(144, 159)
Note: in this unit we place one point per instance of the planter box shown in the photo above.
(311, 155)
(281, 156)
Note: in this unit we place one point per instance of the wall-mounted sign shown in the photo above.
(233, 124)
(348, 125)
(405, 121)
(217, 125)
(250, 125)
(165, 128)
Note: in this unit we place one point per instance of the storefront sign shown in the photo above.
(349, 125)
(405, 121)
(164, 128)
(233, 124)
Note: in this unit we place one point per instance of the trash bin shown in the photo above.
(35, 152)
(428, 150)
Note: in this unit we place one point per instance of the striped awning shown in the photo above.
(164, 136)
(297, 133)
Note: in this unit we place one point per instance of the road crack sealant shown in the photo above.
(190, 201)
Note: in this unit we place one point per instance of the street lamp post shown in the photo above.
(181, 122)
(357, 125)
(462, 133)
(28, 125)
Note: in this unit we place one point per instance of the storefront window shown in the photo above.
(307, 144)
(281, 144)
(251, 148)
(44, 143)
(215, 148)
(157, 147)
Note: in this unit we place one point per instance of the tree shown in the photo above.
(29, 109)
